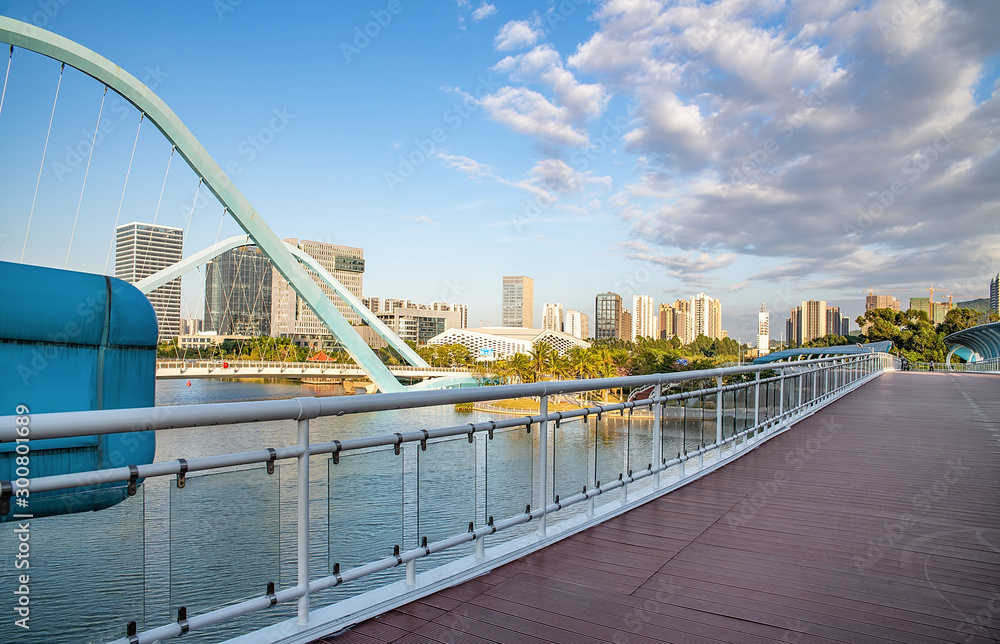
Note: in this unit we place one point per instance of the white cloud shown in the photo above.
(484, 11)
(528, 112)
(516, 34)
(544, 65)
(422, 218)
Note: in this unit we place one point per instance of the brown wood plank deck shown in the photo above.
(875, 520)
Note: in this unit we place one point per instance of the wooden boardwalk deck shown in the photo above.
(875, 520)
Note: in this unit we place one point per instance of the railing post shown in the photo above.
(543, 460)
(718, 417)
(798, 381)
(781, 393)
(657, 433)
(303, 525)
(826, 381)
(756, 402)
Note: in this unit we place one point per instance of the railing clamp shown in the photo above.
(270, 593)
(133, 479)
(270, 461)
(528, 426)
(182, 472)
(395, 553)
(423, 544)
(558, 504)
(130, 632)
(558, 418)
(7, 490)
(471, 433)
(182, 619)
(336, 452)
(399, 441)
(599, 412)
(336, 573)
(423, 442)
(527, 510)
(472, 529)
(493, 426)
(489, 522)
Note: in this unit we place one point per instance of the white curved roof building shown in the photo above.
(492, 343)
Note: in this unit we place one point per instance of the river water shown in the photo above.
(225, 535)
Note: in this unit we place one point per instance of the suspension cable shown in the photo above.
(10, 57)
(142, 115)
(145, 255)
(86, 172)
(41, 166)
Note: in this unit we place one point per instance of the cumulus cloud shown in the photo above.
(485, 10)
(528, 112)
(516, 34)
(839, 140)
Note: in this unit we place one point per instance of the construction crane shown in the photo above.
(871, 291)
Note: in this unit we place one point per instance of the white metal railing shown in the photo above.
(781, 393)
(236, 366)
(983, 366)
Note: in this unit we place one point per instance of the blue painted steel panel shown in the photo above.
(74, 341)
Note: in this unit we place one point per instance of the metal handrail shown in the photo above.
(847, 373)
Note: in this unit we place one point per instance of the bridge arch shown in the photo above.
(41, 41)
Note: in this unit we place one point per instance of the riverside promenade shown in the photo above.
(877, 519)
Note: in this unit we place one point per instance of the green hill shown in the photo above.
(982, 305)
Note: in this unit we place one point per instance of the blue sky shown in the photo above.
(757, 150)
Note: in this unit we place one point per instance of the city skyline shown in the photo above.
(536, 128)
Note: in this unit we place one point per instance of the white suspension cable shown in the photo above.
(41, 166)
(156, 214)
(86, 172)
(124, 188)
(6, 76)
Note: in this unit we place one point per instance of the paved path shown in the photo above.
(875, 520)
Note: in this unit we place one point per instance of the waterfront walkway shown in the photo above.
(875, 520)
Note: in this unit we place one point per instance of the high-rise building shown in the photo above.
(881, 302)
(705, 317)
(518, 301)
(238, 293)
(420, 323)
(667, 321)
(936, 311)
(813, 321)
(577, 324)
(995, 294)
(552, 317)
(625, 332)
(643, 317)
(845, 326)
(763, 331)
(608, 316)
(683, 326)
(143, 249)
(793, 327)
(290, 315)
(833, 320)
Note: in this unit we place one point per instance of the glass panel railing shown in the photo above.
(672, 428)
(510, 472)
(365, 514)
(610, 445)
(640, 445)
(221, 553)
(571, 469)
(446, 495)
(64, 562)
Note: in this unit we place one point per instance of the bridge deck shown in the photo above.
(875, 520)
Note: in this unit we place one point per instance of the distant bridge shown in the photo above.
(262, 369)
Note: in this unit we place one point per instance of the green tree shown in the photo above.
(957, 320)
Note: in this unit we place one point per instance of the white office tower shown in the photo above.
(644, 317)
(143, 249)
(576, 324)
(705, 317)
(552, 317)
(763, 331)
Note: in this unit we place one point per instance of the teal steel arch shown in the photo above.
(981, 342)
(26, 36)
(156, 280)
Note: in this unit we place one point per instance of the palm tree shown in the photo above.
(521, 368)
(541, 358)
